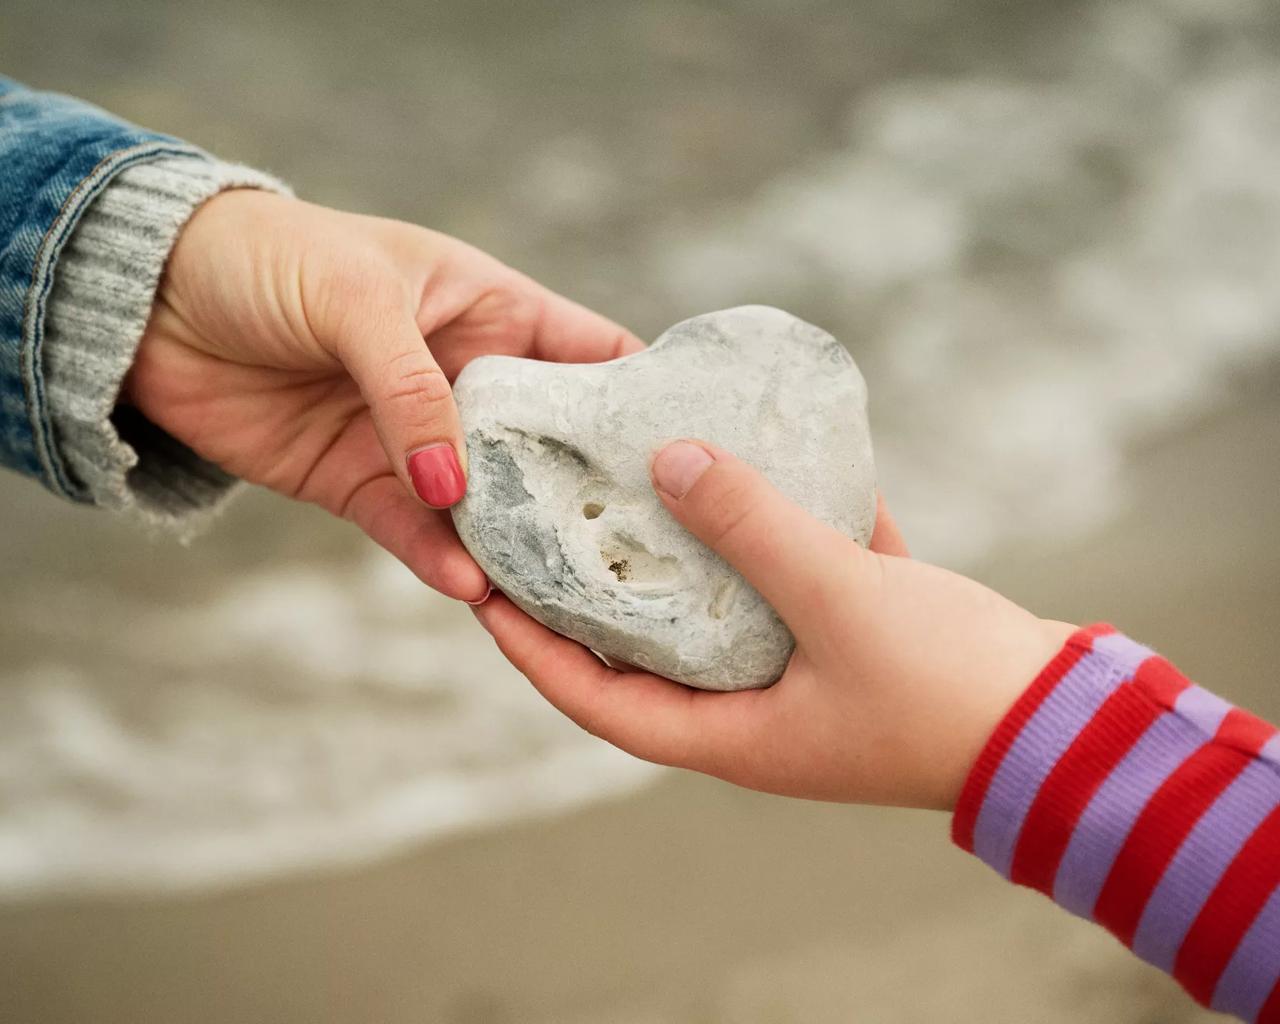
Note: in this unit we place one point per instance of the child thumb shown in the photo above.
(786, 554)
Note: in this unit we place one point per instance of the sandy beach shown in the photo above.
(693, 902)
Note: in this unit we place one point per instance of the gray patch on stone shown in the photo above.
(560, 513)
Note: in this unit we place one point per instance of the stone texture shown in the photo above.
(561, 515)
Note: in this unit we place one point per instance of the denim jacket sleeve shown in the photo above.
(90, 208)
(57, 155)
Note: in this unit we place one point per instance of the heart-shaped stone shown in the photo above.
(561, 515)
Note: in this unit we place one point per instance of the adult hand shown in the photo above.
(311, 351)
(900, 673)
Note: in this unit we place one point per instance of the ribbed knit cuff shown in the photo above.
(104, 286)
(1135, 798)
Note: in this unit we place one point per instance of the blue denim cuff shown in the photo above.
(57, 156)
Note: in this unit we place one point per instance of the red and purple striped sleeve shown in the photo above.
(1135, 798)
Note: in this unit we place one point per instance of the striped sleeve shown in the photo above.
(1139, 800)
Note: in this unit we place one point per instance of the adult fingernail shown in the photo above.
(677, 467)
(437, 475)
(479, 611)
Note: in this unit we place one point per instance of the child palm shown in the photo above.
(901, 669)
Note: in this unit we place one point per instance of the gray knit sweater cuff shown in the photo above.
(103, 289)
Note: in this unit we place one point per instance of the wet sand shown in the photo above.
(694, 902)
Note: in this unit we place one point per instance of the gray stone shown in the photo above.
(561, 515)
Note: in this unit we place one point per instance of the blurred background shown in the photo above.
(268, 777)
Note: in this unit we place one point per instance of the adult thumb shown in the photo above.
(790, 557)
(412, 406)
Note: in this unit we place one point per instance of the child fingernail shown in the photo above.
(481, 600)
(437, 475)
(677, 467)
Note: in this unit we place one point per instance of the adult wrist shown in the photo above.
(104, 287)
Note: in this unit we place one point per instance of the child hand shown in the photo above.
(900, 673)
(311, 351)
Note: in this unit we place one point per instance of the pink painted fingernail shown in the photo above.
(437, 475)
(677, 467)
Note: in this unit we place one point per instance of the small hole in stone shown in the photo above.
(592, 510)
(621, 568)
